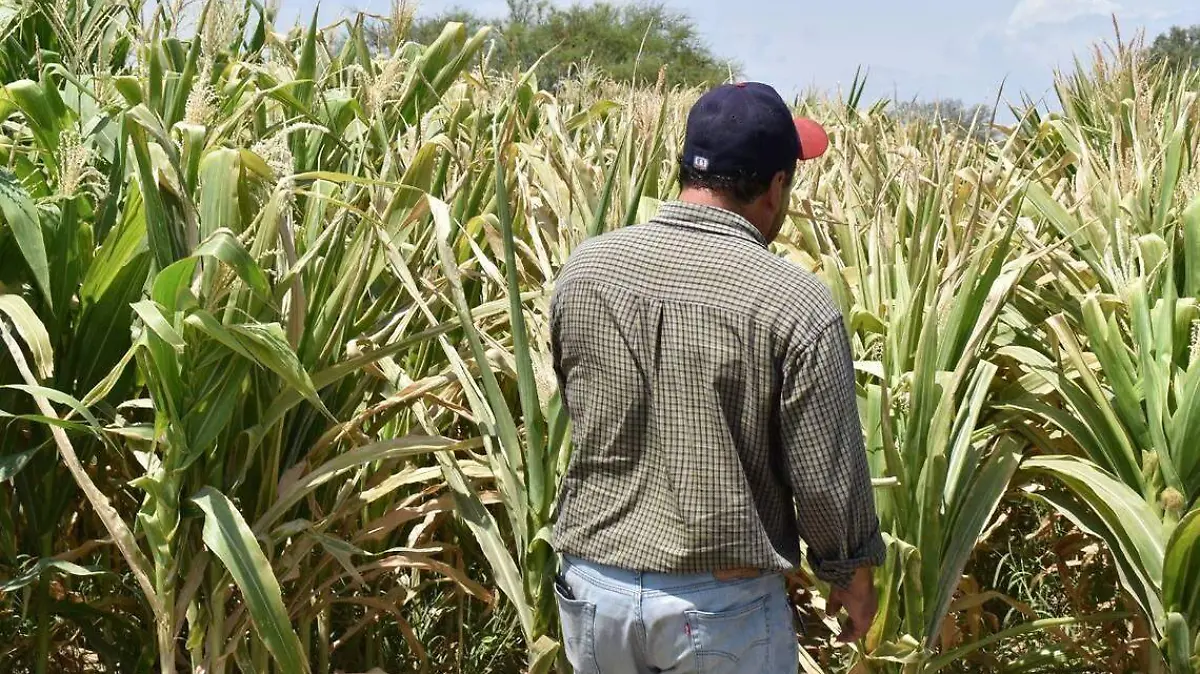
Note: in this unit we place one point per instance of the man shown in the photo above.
(711, 390)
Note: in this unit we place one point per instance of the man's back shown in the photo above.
(711, 391)
(674, 341)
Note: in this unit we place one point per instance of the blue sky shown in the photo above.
(924, 49)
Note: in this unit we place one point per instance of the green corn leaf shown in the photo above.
(219, 172)
(172, 286)
(453, 70)
(54, 395)
(185, 84)
(600, 212)
(205, 322)
(1094, 407)
(225, 534)
(971, 518)
(1113, 511)
(165, 236)
(130, 88)
(306, 73)
(505, 425)
(286, 400)
(224, 246)
(121, 533)
(31, 330)
(416, 180)
(1185, 427)
(1068, 227)
(1118, 367)
(123, 244)
(1079, 431)
(1155, 361)
(1191, 248)
(31, 576)
(106, 319)
(41, 113)
(268, 346)
(149, 312)
(106, 384)
(534, 422)
(508, 481)
(22, 218)
(963, 455)
(215, 407)
(1181, 569)
(424, 71)
(164, 378)
(1169, 178)
(11, 464)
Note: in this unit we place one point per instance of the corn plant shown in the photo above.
(1111, 363)
(275, 367)
(916, 240)
(248, 191)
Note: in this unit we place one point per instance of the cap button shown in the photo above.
(740, 85)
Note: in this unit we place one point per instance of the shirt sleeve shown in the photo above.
(826, 460)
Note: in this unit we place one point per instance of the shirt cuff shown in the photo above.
(839, 572)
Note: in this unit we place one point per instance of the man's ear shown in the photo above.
(779, 189)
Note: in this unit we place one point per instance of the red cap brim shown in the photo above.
(813, 139)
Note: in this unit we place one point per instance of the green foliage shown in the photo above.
(628, 43)
(1179, 47)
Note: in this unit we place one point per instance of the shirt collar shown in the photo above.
(709, 219)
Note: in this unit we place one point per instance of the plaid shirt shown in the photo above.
(710, 386)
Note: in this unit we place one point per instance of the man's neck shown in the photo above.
(701, 197)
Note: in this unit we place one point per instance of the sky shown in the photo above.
(910, 49)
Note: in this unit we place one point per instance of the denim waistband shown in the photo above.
(619, 579)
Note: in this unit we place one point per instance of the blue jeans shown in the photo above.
(617, 621)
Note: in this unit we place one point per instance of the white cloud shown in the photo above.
(1030, 13)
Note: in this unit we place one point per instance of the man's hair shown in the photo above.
(741, 187)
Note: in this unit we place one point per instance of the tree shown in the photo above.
(1179, 47)
(626, 42)
(950, 113)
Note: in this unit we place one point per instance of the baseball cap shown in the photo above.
(747, 128)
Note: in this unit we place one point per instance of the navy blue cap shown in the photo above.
(747, 128)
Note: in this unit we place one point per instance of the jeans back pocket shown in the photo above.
(578, 618)
(734, 640)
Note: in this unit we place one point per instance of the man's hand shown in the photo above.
(860, 603)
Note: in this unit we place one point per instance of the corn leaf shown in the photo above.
(11, 464)
(534, 422)
(224, 246)
(149, 312)
(22, 218)
(43, 565)
(972, 516)
(117, 528)
(399, 448)
(268, 346)
(1113, 511)
(31, 330)
(1181, 569)
(1191, 248)
(230, 539)
(481, 523)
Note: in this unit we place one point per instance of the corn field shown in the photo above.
(275, 385)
